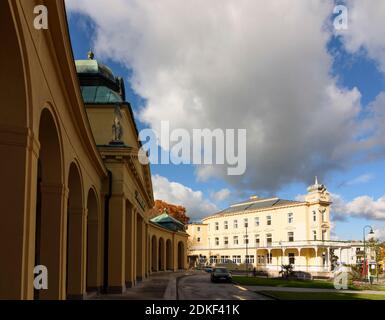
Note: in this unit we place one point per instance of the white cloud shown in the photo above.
(360, 207)
(333, 234)
(366, 29)
(360, 179)
(196, 204)
(221, 195)
(259, 65)
(379, 234)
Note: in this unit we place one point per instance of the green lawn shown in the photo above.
(255, 281)
(322, 296)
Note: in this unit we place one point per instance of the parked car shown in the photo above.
(208, 269)
(221, 274)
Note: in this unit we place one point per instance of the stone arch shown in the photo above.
(161, 255)
(154, 253)
(15, 109)
(181, 254)
(76, 235)
(295, 252)
(50, 201)
(169, 255)
(93, 242)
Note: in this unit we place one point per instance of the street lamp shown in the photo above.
(246, 222)
(371, 233)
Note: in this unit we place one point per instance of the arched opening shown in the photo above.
(13, 97)
(181, 263)
(161, 255)
(154, 254)
(169, 255)
(76, 232)
(49, 204)
(93, 243)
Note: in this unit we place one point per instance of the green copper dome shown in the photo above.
(99, 94)
(94, 67)
(98, 83)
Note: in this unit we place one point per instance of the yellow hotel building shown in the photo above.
(74, 196)
(266, 233)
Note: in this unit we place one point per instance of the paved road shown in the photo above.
(199, 287)
(193, 285)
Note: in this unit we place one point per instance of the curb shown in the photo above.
(267, 295)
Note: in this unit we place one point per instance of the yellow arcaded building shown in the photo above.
(266, 233)
(74, 198)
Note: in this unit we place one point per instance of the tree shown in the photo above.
(333, 259)
(177, 212)
(287, 270)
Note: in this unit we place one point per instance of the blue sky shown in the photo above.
(360, 176)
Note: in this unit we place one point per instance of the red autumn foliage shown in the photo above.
(177, 212)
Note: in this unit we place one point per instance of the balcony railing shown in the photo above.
(279, 245)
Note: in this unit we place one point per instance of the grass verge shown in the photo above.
(282, 295)
(255, 281)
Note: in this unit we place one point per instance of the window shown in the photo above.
(246, 239)
(257, 240)
(235, 224)
(260, 259)
(246, 223)
(237, 259)
(314, 216)
(324, 259)
(198, 239)
(269, 239)
(314, 235)
(225, 259)
(226, 241)
(216, 225)
(213, 259)
(323, 235)
(291, 258)
(290, 236)
(235, 239)
(199, 229)
(256, 220)
(249, 259)
(225, 225)
(290, 218)
(268, 220)
(269, 258)
(217, 241)
(323, 215)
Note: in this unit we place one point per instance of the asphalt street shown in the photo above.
(195, 285)
(198, 286)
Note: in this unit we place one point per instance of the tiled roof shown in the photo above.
(165, 218)
(255, 204)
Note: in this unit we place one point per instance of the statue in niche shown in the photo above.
(117, 129)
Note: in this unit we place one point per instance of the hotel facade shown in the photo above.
(266, 233)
